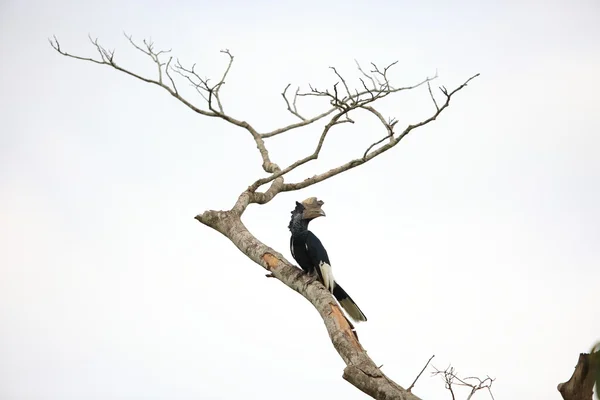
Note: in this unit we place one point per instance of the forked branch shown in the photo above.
(369, 155)
(345, 105)
(201, 85)
(473, 383)
(292, 107)
(107, 58)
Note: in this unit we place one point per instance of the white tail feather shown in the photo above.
(327, 275)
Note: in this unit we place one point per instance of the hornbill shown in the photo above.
(312, 257)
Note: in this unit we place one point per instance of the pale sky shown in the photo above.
(477, 239)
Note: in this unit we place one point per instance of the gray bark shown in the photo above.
(586, 374)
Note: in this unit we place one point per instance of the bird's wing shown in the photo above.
(316, 250)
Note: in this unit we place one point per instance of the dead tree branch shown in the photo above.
(344, 106)
(581, 384)
(369, 77)
(297, 125)
(473, 383)
(202, 84)
(292, 108)
(360, 370)
(107, 58)
(412, 385)
(369, 155)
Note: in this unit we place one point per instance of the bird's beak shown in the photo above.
(312, 208)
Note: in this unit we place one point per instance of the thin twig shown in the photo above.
(450, 378)
(297, 124)
(412, 385)
(388, 125)
(432, 96)
(369, 77)
(293, 110)
(343, 81)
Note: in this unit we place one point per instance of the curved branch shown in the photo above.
(293, 110)
(217, 88)
(297, 124)
(360, 369)
(389, 126)
(335, 120)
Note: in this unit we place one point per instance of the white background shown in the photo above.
(476, 239)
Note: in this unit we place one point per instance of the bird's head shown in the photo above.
(305, 212)
(309, 209)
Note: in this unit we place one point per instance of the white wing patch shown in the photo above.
(327, 275)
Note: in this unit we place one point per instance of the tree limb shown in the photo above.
(313, 156)
(360, 369)
(581, 384)
(107, 58)
(293, 110)
(297, 125)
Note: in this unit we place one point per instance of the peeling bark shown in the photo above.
(581, 384)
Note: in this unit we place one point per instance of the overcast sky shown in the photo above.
(477, 239)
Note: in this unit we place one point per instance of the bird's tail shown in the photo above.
(348, 304)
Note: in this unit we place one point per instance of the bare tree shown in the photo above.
(344, 100)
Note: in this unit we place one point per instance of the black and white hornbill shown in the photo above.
(312, 257)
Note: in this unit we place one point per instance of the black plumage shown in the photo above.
(310, 254)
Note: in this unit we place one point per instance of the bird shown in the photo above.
(310, 254)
